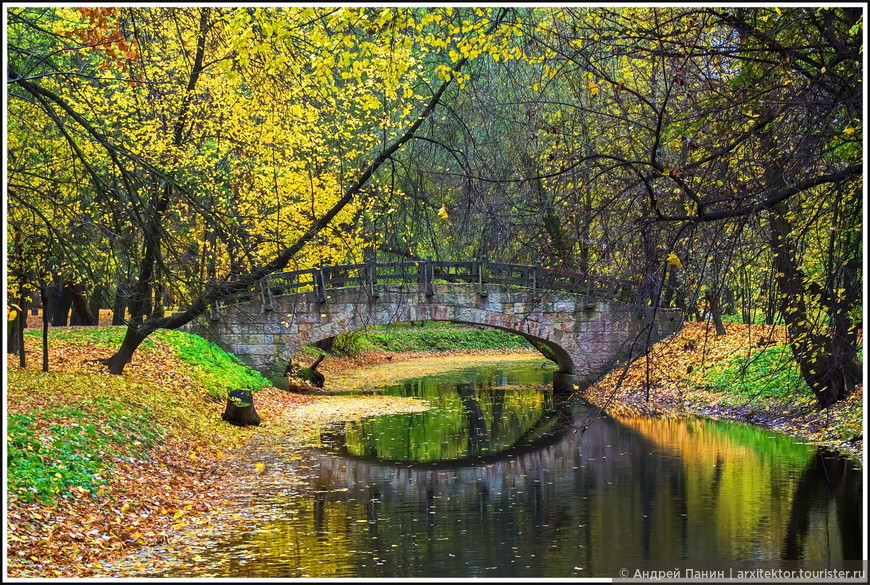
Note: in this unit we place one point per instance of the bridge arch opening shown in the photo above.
(563, 379)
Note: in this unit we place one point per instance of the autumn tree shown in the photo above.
(729, 114)
(216, 146)
(685, 149)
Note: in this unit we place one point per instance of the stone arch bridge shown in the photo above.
(585, 325)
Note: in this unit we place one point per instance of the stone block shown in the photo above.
(252, 339)
(563, 306)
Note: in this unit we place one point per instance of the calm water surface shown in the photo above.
(505, 480)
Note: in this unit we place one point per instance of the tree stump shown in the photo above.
(240, 409)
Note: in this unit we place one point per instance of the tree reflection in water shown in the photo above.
(502, 483)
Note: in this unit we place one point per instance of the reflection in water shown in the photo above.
(828, 485)
(578, 504)
(478, 438)
(475, 413)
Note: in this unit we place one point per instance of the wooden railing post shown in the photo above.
(536, 273)
(265, 295)
(319, 285)
(372, 275)
(214, 312)
(429, 276)
(481, 277)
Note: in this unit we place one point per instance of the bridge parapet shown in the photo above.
(483, 273)
(582, 326)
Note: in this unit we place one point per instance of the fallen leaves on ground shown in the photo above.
(669, 382)
(183, 482)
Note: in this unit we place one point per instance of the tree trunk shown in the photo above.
(716, 313)
(15, 331)
(95, 303)
(12, 336)
(132, 339)
(62, 304)
(44, 295)
(21, 323)
(649, 289)
(771, 311)
(730, 301)
(120, 308)
(81, 315)
(670, 292)
(825, 362)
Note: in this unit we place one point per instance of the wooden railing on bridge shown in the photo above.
(428, 272)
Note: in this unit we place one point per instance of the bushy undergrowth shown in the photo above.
(767, 374)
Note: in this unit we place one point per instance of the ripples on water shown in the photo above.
(500, 481)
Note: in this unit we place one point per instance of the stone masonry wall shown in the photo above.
(587, 335)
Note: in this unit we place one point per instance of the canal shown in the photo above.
(503, 479)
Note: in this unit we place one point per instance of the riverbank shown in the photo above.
(745, 375)
(101, 466)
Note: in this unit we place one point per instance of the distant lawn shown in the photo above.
(432, 336)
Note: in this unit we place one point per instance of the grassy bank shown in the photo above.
(427, 337)
(99, 465)
(748, 374)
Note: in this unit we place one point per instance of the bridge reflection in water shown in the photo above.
(563, 496)
(470, 422)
